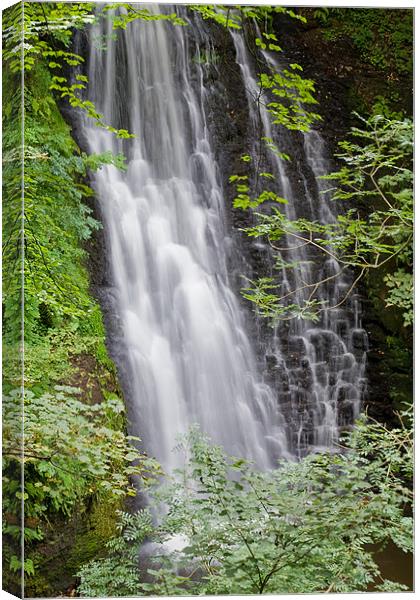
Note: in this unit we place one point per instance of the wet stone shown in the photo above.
(271, 361)
(332, 379)
(306, 377)
(359, 339)
(321, 373)
(346, 414)
(342, 362)
(342, 328)
(326, 344)
(321, 411)
(346, 391)
(304, 438)
(284, 398)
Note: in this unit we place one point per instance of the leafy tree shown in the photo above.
(303, 527)
(35, 32)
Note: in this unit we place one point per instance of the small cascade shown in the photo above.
(317, 369)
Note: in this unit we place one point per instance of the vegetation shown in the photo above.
(76, 452)
(303, 527)
(383, 37)
(72, 451)
(376, 58)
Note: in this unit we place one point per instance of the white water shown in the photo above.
(189, 357)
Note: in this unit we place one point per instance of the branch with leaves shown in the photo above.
(377, 177)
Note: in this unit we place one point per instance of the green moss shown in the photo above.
(72, 543)
(37, 586)
(91, 542)
(379, 44)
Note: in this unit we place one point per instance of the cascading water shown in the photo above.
(318, 370)
(187, 355)
(182, 346)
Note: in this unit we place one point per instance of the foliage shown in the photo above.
(35, 33)
(383, 37)
(234, 19)
(222, 15)
(126, 13)
(298, 92)
(401, 293)
(49, 358)
(265, 294)
(71, 451)
(26, 25)
(377, 40)
(376, 231)
(117, 574)
(56, 220)
(46, 223)
(303, 527)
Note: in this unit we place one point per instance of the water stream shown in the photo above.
(187, 355)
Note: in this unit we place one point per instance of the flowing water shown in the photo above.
(319, 368)
(186, 354)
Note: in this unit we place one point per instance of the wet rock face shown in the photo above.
(344, 81)
(390, 364)
(326, 344)
(228, 121)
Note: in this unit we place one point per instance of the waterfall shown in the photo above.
(182, 345)
(186, 353)
(319, 368)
